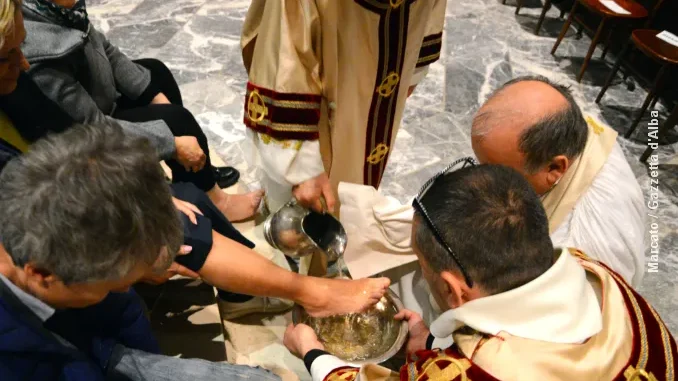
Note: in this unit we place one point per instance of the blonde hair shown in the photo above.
(8, 9)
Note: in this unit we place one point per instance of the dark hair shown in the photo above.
(493, 220)
(88, 205)
(562, 133)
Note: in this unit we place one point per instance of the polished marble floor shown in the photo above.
(485, 45)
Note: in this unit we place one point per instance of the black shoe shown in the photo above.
(226, 176)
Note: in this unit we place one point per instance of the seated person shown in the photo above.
(92, 81)
(516, 308)
(592, 199)
(74, 239)
(223, 262)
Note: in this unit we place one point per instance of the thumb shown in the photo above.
(184, 250)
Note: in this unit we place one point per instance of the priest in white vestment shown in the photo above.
(590, 194)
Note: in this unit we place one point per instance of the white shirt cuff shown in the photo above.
(324, 365)
(419, 75)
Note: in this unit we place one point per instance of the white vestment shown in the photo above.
(608, 221)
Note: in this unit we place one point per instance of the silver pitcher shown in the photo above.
(299, 232)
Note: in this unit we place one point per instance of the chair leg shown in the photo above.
(547, 5)
(565, 28)
(562, 15)
(658, 82)
(592, 48)
(668, 124)
(519, 5)
(608, 41)
(615, 69)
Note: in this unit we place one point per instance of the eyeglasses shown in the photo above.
(419, 206)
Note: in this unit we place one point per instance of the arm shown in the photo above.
(131, 79)
(284, 94)
(303, 342)
(56, 82)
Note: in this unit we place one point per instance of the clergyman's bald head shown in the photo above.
(526, 124)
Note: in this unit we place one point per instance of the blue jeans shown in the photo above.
(133, 365)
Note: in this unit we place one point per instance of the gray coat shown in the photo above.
(85, 75)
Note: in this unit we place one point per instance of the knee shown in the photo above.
(156, 67)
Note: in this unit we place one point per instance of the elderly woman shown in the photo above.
(93, 82)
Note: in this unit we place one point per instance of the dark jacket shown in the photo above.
(30, 351)
(85, 75)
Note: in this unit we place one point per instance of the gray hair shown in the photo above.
(88, 205)
(562, 133)
(495, 223)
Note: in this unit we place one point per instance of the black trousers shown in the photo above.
(199, 236)
(179, 120)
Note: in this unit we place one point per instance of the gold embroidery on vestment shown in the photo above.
(454, 369)
(348, 375)
(388, 85)
(285, 144)
(256, 107)
(597, 128)
(378, 154)
(633, 374)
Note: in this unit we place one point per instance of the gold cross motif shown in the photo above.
(388, 85)
(396, 3)
(597, 128)
(256, 107)
(378, 154)
(454, 369)
(633, 374)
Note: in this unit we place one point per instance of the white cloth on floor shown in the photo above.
(608, 221)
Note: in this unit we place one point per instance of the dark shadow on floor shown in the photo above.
(172, 305)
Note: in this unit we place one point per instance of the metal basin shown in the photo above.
(299, 232)
(369, 337)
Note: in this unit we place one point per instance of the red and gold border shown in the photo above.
(282, 116)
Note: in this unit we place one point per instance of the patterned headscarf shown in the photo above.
(74, 18)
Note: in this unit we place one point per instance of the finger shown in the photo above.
(189, 213)
(330, 200)
(185, 249)
(193, 208)
(181, 270)
(318, 206)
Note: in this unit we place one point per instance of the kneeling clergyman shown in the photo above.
(516, 307)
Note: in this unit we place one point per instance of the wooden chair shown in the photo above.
(636, 10)
(646, 41)
(670, 122)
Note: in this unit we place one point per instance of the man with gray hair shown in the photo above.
(592, 199)
(85, 215)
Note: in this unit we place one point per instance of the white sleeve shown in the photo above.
(608, 222)
(419, 75)
(288, 162)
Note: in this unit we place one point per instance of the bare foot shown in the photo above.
(237, 207)
(329, 297)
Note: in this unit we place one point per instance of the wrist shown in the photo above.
(307, 347)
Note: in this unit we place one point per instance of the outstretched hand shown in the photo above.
(418, 331)
(301, 339)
